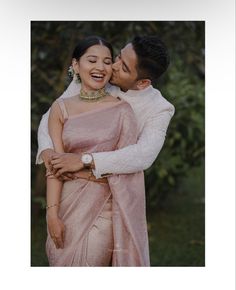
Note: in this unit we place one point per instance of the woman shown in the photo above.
(95, 222)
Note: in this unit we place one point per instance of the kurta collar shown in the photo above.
(138, 93)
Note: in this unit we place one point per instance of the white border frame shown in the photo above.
(15, 17)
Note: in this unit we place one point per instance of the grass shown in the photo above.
(176, 234)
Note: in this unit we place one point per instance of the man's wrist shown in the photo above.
(93, 164)
(87, 161)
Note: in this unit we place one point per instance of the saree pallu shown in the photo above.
(104, 129)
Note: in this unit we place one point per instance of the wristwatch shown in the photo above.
(87, 160)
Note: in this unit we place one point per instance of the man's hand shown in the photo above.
(47, 156)
(66, 162)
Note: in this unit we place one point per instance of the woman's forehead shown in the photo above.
(98, 49)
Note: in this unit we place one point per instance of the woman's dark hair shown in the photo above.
(152, 55)
(87, 42)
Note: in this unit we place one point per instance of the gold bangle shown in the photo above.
(49, 206)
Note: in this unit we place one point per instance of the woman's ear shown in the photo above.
(75, 65)
(144, 83)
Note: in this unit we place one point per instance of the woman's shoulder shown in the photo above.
(62, 102)
(70, 100)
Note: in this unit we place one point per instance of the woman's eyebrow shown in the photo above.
(97, 56)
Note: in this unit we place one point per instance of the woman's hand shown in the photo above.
(56, 230)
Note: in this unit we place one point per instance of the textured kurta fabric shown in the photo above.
(103, 129)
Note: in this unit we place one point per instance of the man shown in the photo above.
(138, 66)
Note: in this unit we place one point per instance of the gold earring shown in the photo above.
(73, 75)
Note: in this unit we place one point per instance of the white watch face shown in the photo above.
(87, 158)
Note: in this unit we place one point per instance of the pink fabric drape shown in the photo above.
(104, 129)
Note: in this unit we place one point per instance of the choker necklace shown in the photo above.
(93, 96)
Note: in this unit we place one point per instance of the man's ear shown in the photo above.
(144, 83)
(75, 65)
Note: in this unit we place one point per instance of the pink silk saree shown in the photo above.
(103, 129)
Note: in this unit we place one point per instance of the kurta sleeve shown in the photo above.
(44, 140)
(140, 156)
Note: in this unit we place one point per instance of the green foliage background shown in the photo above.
(175, 182)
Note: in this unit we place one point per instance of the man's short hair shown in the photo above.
(153, 58)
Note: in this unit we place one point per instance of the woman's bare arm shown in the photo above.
(54, 185)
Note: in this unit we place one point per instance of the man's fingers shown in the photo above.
(65, 178)
(55, 161)
(48, 166)
(70, 175)
(56, 166)
(48, 173)
(59, 172)
(55, 156)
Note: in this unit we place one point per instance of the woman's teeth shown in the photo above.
(98, 76)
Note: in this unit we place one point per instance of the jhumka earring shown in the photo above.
(73, 75)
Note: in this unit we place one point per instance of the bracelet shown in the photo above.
(49, 206)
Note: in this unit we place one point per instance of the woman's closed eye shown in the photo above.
(108, 62)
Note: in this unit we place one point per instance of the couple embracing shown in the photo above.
(95, 141)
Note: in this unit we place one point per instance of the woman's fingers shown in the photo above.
(55, 242)
(58, 236)
(59, 240)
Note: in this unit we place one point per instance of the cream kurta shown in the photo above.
(103, 129)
